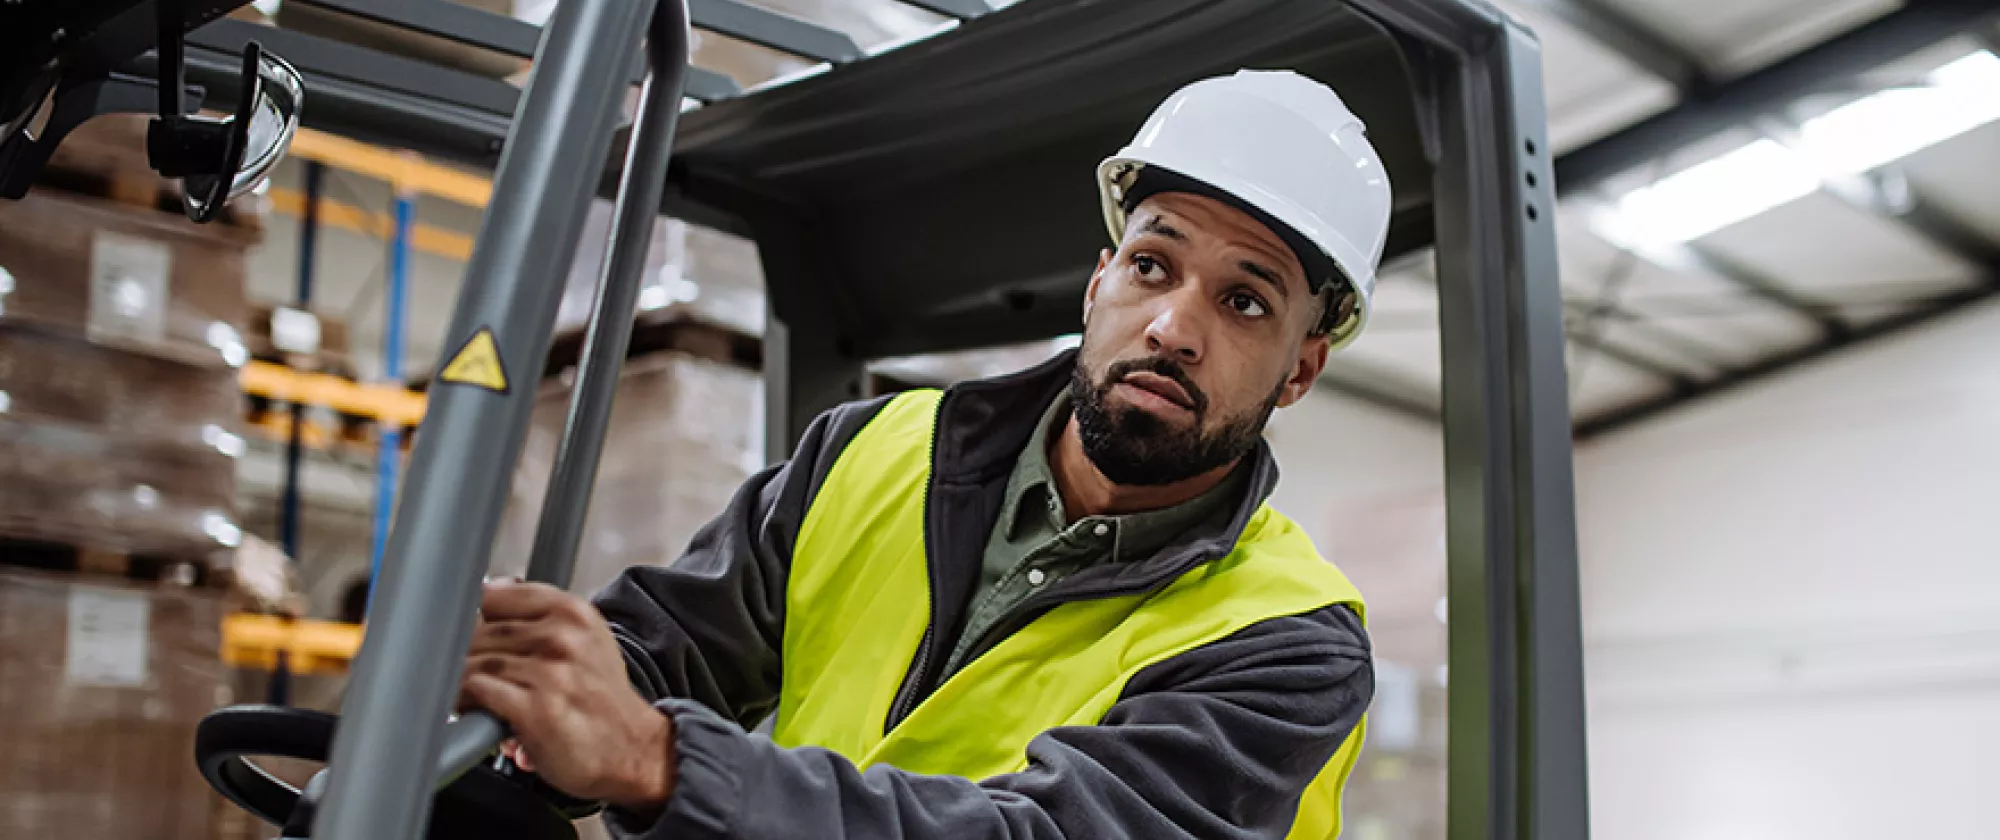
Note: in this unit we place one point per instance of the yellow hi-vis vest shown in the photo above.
(857, 608)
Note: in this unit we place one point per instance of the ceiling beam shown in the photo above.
(1659, 334)
(1832, 63)
(1823, 315)
(1633, 359)
(775, 30)
(1631, 40)
(1591, 313)
(961, 9)
(1887, 193)
(1627, 416)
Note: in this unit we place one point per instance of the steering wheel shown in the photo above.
(483, 804)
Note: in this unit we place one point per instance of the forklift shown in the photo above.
(867, 184)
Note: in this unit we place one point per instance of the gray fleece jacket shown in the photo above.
(1218, 742)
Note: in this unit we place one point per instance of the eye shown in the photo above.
(1246, 304)
(1149, 268)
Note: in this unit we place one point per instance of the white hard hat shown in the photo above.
(1287, 150)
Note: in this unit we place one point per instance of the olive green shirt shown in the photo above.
(1032, 547)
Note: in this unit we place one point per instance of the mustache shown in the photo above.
(1162, 366)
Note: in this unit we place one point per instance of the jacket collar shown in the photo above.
(984, 424)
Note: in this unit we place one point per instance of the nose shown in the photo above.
(1176, 329)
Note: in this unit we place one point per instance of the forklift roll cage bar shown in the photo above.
(843, 177)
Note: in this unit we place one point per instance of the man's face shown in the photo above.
(1194, 331)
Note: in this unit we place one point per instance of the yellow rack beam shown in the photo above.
(391, 404)
(278, 427)
(311, 647)
(405, 171)
(429, 239)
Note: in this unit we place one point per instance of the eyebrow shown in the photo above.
(1264, 273)
(1158, 225)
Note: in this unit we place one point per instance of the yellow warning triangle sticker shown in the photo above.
(477, 364)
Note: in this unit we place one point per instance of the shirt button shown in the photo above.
(1036, 576)
(1101, 529)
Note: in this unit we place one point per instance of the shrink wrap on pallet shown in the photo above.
(74, 486)
(60, 378)
(685, 434)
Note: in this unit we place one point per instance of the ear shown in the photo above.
(1090, 291)
(1306, 370)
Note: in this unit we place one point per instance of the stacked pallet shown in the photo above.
(120, 329)
(120, 332)
(685, 433)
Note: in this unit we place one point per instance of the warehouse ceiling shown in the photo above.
(1812, 223)
(1747, 185)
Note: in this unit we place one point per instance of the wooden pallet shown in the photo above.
(106, 157)
(668, 331)
(47, 556)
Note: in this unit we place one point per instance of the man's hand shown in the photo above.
(545, 661)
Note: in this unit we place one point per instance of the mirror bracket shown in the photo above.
(23, 155)
(185, 145)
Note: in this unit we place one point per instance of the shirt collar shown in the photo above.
(1032, 491)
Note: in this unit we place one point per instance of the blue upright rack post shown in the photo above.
(389, 455)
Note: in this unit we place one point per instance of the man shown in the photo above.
(1052, 604)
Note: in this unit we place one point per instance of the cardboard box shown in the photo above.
(49, 376)
(332, 356)
(691, 272)
(685, 434)
(124, 276)
(101, 687)
(78, 486)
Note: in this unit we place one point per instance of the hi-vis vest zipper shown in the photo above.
(856, 610)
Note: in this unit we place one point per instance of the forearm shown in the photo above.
(1223, 752)
(730, 784)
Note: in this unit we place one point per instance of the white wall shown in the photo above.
(1368, 485)
(1792, 602)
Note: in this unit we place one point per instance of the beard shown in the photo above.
(1137, 448)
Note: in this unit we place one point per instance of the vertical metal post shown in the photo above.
(289, 523)
(805, 373)
(1516, 662)
(389, 443)
(407, 674)
(809, 365)
(567, 503)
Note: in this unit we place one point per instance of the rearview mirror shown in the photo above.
(267, 115)
(220, 159)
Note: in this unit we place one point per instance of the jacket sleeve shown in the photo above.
(1215, 743)
(709, 626)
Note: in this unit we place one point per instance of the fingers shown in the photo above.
(506, 600)
(514, 752)
(520, 638)
(486, 686)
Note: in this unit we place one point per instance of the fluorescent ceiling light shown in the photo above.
(1854, 138)
(1891, 124)
(1708, 196)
